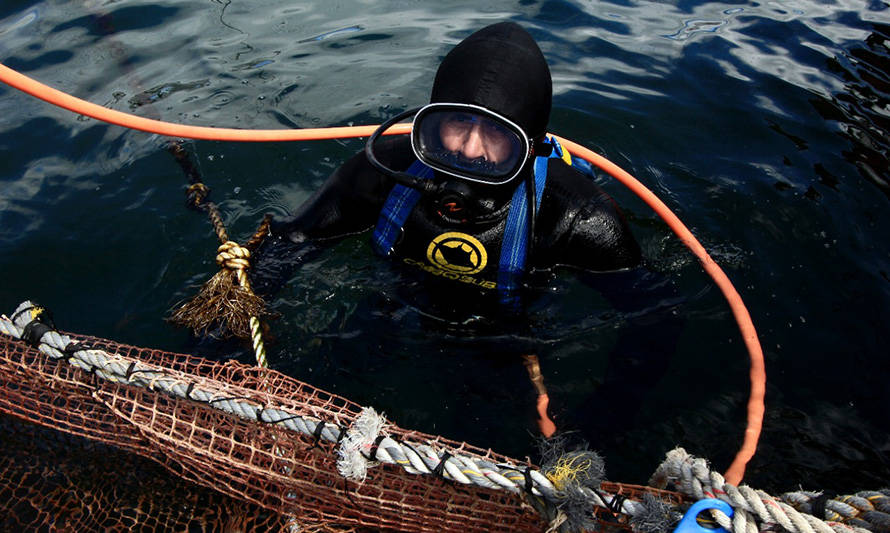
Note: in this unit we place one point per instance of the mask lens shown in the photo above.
(467, 142)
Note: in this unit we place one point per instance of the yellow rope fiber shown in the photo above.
(568, 470)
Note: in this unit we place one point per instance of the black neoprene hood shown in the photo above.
(500, 68)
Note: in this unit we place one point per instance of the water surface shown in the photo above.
(764, 126)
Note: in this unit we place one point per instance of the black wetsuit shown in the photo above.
(501, 69)
(578, 224)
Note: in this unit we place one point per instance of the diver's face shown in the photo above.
(475, 137)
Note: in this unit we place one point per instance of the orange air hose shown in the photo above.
(755, 409)
(71, 103)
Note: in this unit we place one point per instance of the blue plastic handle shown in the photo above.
(688, 523)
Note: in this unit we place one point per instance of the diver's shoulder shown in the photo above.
(587, 225)
(568, 187)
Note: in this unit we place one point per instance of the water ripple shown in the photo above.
(331, 33)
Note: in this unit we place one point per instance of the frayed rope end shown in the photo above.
(360, 437)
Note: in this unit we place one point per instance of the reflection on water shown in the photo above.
(863, 108)
(691, 27)
(332, 33)
(763, 125)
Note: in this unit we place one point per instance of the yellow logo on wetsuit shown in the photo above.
(457, 252)
(455, 256)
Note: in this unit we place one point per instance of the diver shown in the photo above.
(475, 199)
(478, 195)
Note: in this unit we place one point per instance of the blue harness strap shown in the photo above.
(398, 206)
(583, 166)
(514, 247)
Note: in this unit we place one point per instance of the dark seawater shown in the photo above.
(764, 126)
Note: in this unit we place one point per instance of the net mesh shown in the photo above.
(180, 464)
(51, 480)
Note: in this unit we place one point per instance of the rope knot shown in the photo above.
(233, 256)
(196, 194)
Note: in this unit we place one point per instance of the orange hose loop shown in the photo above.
(736, 470)
(755, 407)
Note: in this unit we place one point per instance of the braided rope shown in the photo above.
(196, 194)
(428, 458)
(867, 509)
(755, 510)
(230, 255)
(260, 234)
(233, 256)
(256, 340)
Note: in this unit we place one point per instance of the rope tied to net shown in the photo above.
(374, 445)
(755, 510)
(227, 299)
(565, 491)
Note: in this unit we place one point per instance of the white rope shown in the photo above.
(752, 510)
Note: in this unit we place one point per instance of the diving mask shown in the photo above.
(469, 142)
(466, 141)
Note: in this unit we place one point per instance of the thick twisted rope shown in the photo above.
(755, 510)
(236, 258)
(365, 443)
(866, 509)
